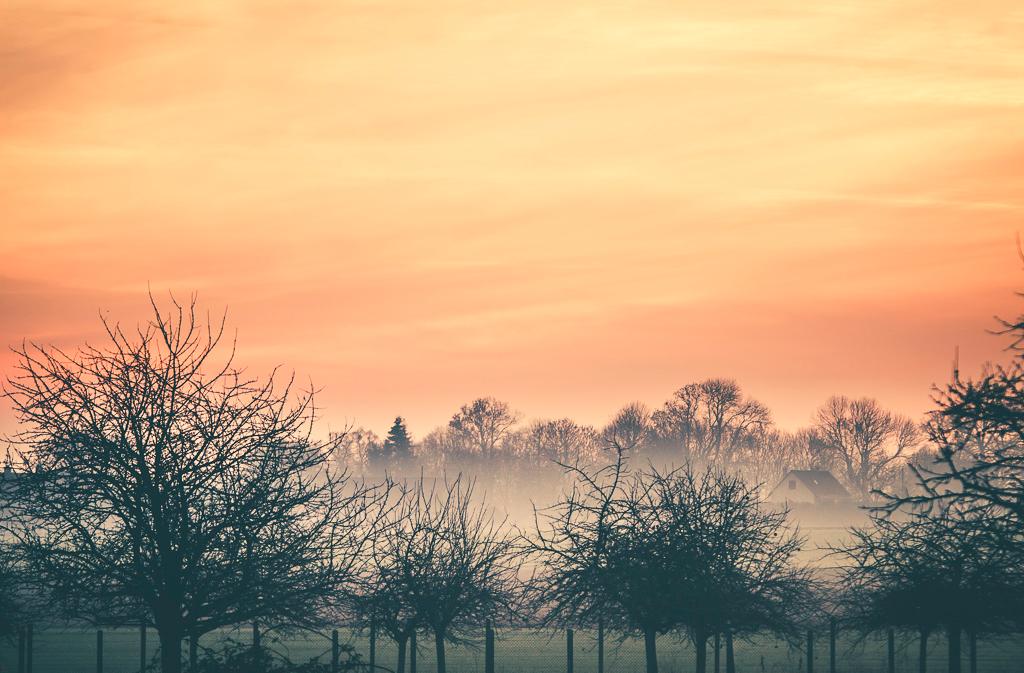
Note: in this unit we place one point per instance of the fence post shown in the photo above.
(600, 645)
(334, 651)
(193, 653)
(810, 651)
(21, 649)
(373, 646)
(892, 651)
(568, 651)
(489, 648)
(256, 646)
(28, 649)
(99, 650)
(832, 645)
(142, 647)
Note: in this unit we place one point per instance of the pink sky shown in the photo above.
(566, 205)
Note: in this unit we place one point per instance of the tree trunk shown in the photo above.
(651, 650)
(401, 642)
(193, 653)
(953, 633)
(170, 650)
(730, 659)
(972, 651)
(700, 642)
(718, 652)
(922, 652)
(439, 649)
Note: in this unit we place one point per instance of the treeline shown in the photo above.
(162, 485)
(710, 423)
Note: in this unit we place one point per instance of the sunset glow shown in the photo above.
(568, 206)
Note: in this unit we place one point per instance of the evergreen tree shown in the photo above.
(398, 444)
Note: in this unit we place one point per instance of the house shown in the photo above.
(816, 487)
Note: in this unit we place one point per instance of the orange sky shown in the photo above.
(566, 205)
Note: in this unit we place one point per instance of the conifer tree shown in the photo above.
(398, 444)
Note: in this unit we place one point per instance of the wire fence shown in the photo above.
(516, 650)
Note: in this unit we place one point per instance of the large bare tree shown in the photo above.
(170, 486)
(653, 552)
(709, 422)
(867, 442)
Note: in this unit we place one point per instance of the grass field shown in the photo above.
(63, 650)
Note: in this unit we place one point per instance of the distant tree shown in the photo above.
(709, 422)
(355, 448)
(652, 552)
(436, 449)
(394, 453)
(945, 570)
(630, 430)
(559, 441)
(480, 427)
(867, 442)
(398, 444)
(176, 489)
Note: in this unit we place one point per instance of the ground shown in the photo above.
(62, 650)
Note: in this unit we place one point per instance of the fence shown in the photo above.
(511, 650)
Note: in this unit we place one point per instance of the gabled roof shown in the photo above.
(820, 482)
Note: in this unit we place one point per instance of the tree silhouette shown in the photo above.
(709, 422)
(946, 570)
(398, 444)
(445, 564)
(175, 489)
(867, 441)
(651, 552)
(630, 430)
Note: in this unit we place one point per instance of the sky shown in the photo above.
(567, 205)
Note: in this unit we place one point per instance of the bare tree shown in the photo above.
(709, 422)
(946, 570)
(977, 430)
(479, 440)
(353, 448)
(481, 426)
(630, 430)
(867, 441)
(559, 441)
(384, 597)
(176, 489)
(446, 564)
(434, 452)
(652, 552)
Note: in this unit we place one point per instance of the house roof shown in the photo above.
(821, 483)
